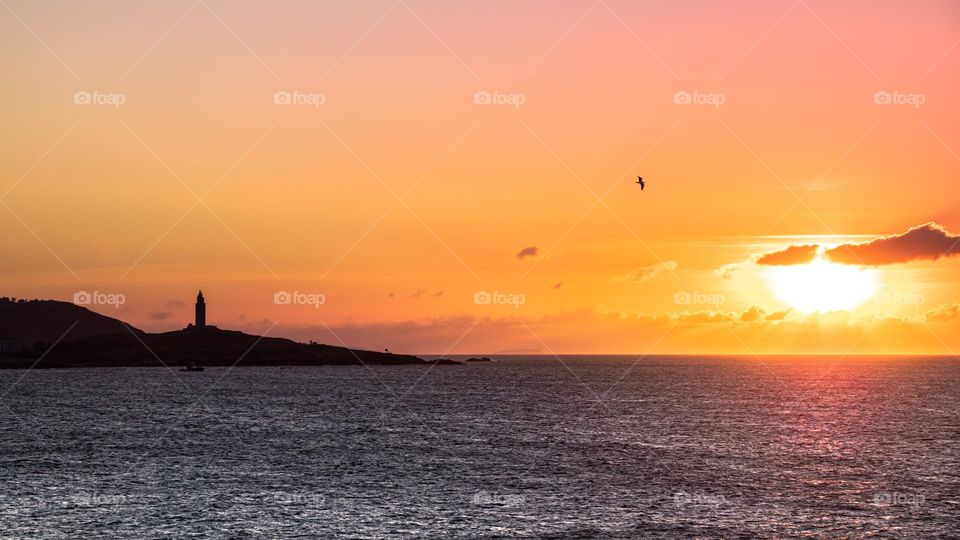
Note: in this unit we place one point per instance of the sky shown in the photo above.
(458, 177)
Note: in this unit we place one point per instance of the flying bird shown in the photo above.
(641, 182)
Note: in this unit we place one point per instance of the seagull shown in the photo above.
(641, 182)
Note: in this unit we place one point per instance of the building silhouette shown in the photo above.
(201, 311)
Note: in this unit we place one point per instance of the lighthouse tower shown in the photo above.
(201, 311)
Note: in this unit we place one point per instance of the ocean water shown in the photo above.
(577, 447)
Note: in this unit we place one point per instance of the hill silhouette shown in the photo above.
(100, 341)
(46, 321)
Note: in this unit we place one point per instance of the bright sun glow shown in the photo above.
(822, 286)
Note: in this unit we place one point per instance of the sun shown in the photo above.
(823, 286)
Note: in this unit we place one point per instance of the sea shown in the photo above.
(520, 447)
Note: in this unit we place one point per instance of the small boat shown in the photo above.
(191, 367)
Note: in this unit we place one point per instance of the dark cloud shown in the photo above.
(529, 251)
(160, 315)
(792, 255)
(927, 242)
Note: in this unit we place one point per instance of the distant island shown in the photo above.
(55, 334)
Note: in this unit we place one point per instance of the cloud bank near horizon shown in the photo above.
(752, 331)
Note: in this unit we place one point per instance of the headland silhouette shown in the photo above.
(56, 334)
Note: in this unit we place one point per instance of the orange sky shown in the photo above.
(398, 198)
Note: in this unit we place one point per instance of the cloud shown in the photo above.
(648, 273)
(755, 313)
(529, 251)
(694, 318)
(726, 271)
(587, 330)
(944, 313)
(927, 242)
(425, 292)
(778, 315)
(801, 254)
(160, 315)
(176, 304)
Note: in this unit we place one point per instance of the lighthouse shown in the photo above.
(201, 311)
